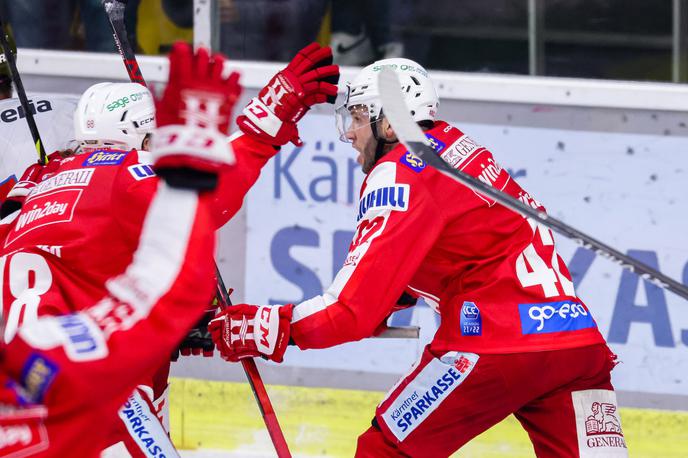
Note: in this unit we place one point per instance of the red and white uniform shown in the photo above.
(493, 275)
(69, 375)
(80, 226)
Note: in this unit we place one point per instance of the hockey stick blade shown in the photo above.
(23, 99)
(410, 134)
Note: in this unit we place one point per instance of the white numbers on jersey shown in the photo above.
(29, 277)
(541, 273)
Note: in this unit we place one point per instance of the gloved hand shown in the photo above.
(32, 175)
(405, 301)
(309, 79)
(190, 146)
(198, 341)
(245, 331)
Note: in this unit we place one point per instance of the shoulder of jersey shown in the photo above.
(441, 135)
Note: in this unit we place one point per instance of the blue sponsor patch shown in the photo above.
(37, 376)
(554, 317)
(436, 143)
(389, 197)
(82, 342)
(470, 320)
(141, 171)
(105, 157)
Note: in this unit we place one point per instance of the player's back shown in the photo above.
(494, 275)
(78, 227)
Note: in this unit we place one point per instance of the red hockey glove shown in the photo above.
(245, 331)
(309, 79)
(193, 116)
(21, 189)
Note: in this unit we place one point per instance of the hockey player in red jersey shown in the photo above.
(65, 377)
(514, 338)
(81, 215)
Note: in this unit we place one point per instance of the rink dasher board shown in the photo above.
(623, 188)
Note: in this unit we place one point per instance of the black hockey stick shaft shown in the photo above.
(412, 136)
(16, 79)
(115, 13)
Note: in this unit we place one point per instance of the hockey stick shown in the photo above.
(16, 79)
(257, 386)
(411, 135)
(115, 13)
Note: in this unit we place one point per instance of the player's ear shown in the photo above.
(388, 130)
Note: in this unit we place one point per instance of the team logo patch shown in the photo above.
(37, 376)
(105, 157)
(554, 317)
(598, 424)
(470, 320)
(412, 161)
(426, 391)
(141, 171)
(389, 197)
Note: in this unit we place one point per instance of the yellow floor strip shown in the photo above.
(325, 422)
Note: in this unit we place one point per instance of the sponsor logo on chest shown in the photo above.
(389, 197)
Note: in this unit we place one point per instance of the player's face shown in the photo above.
(360, 134)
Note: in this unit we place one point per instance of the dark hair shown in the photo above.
(426, 124)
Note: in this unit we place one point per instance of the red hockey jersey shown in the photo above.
(80, 226)
(493, 275)
(64, 378)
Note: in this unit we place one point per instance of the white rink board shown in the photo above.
(625, 189)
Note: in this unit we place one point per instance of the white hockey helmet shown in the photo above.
(419, 92)
(114, 115)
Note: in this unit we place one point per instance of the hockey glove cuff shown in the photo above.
(247, 331)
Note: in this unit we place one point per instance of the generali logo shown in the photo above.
(602, 426)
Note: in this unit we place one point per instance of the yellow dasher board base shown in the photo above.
(212, 419)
